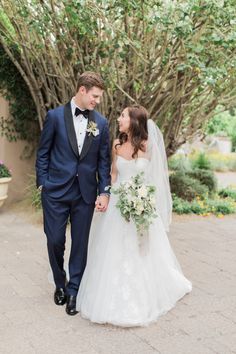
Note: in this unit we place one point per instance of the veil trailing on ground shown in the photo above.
(157, 173)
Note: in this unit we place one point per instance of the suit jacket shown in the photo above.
(58, 162)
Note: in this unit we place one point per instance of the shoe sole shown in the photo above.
(72, 313)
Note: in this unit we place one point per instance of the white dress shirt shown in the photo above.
(80, 125)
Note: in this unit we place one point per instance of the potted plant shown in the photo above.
(5, 178)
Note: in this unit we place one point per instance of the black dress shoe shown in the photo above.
(60, 296)
(71, 305)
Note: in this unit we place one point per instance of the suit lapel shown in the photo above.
(70, 129)
(88, 138)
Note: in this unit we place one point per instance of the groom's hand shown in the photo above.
(102, 203)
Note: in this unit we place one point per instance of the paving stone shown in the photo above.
(203, 322)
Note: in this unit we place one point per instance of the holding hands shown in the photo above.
(101, 203)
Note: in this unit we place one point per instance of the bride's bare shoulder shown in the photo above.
(115, 147)
(116, 144)
(116, 141)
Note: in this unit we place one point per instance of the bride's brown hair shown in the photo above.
(137, 130)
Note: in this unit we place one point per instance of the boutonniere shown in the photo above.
(92, 128)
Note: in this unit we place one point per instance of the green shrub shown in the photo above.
(233, 141)
(22, 122)
(232, 165)
(4, 170)
(204, 206)
(36, 198)
(205, 177)
(33, 194)
(201, 162)
(181, 206)
(221, 206)
(186, 187)
(179, 163)
(227, 192)
(222, 162)
(220, 166)
(199, 207)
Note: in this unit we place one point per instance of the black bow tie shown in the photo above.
(85, 113)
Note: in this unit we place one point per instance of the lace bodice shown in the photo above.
(129, 168)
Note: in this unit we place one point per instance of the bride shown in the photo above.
(130, 280)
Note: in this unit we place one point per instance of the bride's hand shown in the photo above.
(102, 203)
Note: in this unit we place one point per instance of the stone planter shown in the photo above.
(4, 188)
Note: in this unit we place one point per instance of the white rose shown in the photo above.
(142, 192)
(139, 208)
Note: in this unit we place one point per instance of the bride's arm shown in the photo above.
(113, 165)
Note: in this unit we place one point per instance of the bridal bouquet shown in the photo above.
(136, 201)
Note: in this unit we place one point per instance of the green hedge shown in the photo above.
(186, 187)
(205, 206)
(227, 192)
(205, 177)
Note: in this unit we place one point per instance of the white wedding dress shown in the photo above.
(129, 280)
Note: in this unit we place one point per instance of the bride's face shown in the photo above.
(124, 121)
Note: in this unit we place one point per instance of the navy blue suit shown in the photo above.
(71, 182)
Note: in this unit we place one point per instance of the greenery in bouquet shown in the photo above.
(136, 201)
(4, 171)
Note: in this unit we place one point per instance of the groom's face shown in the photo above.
(90, 98)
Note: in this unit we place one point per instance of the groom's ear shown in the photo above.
(82, 90)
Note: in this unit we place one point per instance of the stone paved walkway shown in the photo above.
(204, 322)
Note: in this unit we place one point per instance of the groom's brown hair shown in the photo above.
(90, 79)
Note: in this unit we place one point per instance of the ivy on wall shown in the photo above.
(22, 123)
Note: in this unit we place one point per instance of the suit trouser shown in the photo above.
(56, 214)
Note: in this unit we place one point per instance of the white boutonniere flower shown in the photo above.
(92, 128)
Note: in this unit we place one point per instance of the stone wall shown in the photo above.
(11, 155)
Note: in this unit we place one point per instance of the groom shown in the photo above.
(73, 172)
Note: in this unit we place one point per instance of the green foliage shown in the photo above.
(4, 170)
(23, 123)
(188, 183)
(228, 192)
(201, 162)
(221, 162)
(218, 162)
(179, 162)
(233, 139)
(189, 198)
(177, 58)
(205, 177)
(222, 123)
(181, 206)
(136, 201)
(204, 206)
(222, 206)
(33, 194)
(186, 187)
(36, 198)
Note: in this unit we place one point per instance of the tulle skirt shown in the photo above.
(129, 280)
